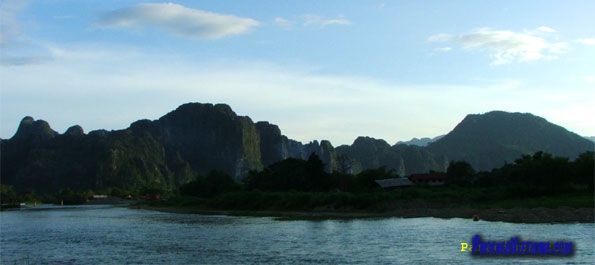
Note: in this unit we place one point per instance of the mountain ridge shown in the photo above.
(424, 141)
(196, 138)
(509, 135)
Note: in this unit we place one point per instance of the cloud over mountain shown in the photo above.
(177, 19)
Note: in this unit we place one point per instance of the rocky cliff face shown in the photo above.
(276, 147)
(196, 138)
(40, 159)
(214, 135)
(211, 137)
(193, 139)
(368, 153)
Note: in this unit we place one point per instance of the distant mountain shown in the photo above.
(489, 140)
(421, 142)
(196, 138)
(368, 153)
(590, 138)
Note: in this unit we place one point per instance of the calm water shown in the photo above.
(115, 235)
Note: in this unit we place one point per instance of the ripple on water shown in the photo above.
(108, 235)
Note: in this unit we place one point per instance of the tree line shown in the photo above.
(537, 174)
(530, 175)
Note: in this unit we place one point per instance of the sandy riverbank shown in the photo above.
(514, 215)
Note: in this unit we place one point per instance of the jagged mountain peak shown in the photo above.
(364, 140)
(30, 127)
(420, 141)
(75, 130)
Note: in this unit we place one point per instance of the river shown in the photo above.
(103, 234)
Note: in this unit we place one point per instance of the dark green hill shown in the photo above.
(489, 140)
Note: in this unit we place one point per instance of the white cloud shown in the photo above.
(443, 49)
(311, 20)
(321, 21)
(284, 23)
(546, 29)
(507, 46)
(178, 20)
(586, 41)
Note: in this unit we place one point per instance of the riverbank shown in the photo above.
(111, 200)
(488, 204)
(513, 215)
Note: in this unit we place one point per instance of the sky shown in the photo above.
(320, 70)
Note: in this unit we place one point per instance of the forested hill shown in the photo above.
(489, 140)
(197, 138)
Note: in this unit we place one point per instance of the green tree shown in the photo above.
(584, 170)
(291, 174)
(219, 182)
(541, 174)
(317, 178)
(197, 187)
(28, 196)
(215, 183)
(365, 180)
(7, 194)
(70, 197)
(460, 173)
(344, 164)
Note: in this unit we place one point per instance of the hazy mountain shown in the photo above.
(421, 141)
(590, 138)
(367, 153)
(489, 140)
(196, 138)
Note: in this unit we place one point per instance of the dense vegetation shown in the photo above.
(540, 180)
(294, 184)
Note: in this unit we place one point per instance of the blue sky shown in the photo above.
(330, 70)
